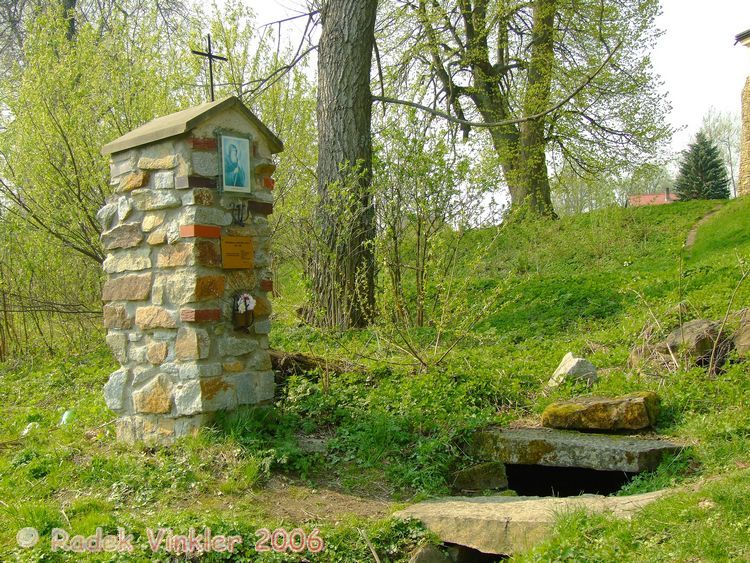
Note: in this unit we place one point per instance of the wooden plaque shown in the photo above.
(236, 252)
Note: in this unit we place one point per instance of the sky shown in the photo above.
(696, 56)
(698, 61)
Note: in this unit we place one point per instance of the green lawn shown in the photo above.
(587, 284)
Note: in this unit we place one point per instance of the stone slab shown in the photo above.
(506, 525)
(630, 412)
(561, 448)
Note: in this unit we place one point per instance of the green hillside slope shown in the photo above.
(593, 285)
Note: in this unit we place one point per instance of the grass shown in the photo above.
(587, 284)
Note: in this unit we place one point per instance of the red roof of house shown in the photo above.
(651, 199)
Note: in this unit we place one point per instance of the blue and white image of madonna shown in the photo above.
(235, 153)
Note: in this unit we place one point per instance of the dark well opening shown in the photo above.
(540, 480)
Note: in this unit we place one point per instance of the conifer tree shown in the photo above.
(702, 172)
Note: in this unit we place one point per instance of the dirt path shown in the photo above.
(693, 234)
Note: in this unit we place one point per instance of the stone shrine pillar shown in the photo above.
(186, 238)
(743, 185)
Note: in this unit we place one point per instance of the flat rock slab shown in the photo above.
(631, 412)
(506, 525)
(562, 448)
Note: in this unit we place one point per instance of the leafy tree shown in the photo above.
(73, 88)
(702, 173)
(724, 129)
(564, 79)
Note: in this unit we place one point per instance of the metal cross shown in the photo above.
(211, 58)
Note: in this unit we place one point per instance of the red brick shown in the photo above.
(204, 143)
(203, 231)
(200, 315)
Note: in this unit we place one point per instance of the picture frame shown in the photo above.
(235, 157)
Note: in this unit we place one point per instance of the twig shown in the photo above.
(711, 363)
(658, 324)
(367, 541)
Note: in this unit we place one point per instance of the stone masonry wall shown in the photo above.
(167, 300)
(743, 187)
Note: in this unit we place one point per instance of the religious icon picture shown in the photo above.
(235, 158)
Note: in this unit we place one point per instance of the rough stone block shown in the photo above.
(152, 200)
(124, 208)
(506, 525)
(206, 163)
(134, 287)
(253, 387)
(153, 219)
(209, 287)
(631, 412)
(154, 397)
(260, 360)
(193, 370)
(128, 261)
(172, 256)
(237, 345)
(572, 368)
(192, 344)
(116, 316)
(118, 343)
(199, 196)
(148, 318)
(122, 236)
(233, 365)
(217, 393)
(114, 390)
(133, 181)
(163, 181)
(187, 398)
(208, 253)
(205, 216)
(157, 352)
(157, 237)
(159, 163)
(105, 216)
(563, 448)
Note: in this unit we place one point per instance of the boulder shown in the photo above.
(565, 448)
(742, 339)
(631, 412)
(694, 340)
(482, 477)
(508, 525)
(573, 369)
(429, 554)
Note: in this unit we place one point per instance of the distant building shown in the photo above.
(743, 187)
(651, 199)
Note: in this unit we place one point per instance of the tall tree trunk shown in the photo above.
(343, 270)
(69, 10)
(532, 190)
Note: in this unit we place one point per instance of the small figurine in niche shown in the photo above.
(244, 305)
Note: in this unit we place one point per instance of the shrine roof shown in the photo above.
(183, 121)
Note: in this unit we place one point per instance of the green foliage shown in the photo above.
(702, 174)
(710, 520)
